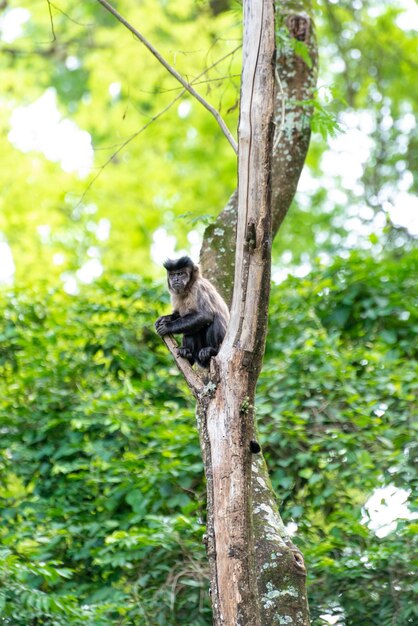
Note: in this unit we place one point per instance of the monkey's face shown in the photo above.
(178, 281)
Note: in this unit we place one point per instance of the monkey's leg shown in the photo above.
(211, 341)
(186, 349)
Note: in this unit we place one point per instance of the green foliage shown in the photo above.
(102, 495)
(102, 477)
(322, 120)
(337, 408)
(367, 61)
(101, 492)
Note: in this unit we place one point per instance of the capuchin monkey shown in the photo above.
(199, 312)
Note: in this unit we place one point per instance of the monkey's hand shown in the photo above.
(163, 325)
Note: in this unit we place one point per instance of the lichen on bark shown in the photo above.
(298, 80)
(281, 574)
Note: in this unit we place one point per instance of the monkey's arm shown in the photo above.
(189, 324)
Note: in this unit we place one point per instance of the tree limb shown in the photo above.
(228, 427)
(194, 381)
(173, 72)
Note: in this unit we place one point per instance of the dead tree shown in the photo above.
(257, 575)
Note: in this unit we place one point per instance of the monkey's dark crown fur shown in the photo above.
(177, 264)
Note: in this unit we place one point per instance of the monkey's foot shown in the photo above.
(205, 355)
(185, 353)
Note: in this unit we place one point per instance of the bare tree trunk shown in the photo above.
(225, 403)
(258, 576)
(229, 414)
(281, 573)
(295, 85)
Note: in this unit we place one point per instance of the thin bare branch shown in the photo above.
(125, 143)
(51, 19)
(153, 119)
(57, 8)
(173, 72)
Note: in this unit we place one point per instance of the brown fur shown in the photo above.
(199, 312)
(200, 295)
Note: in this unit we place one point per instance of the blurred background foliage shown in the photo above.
(101, 493)
(75, 65)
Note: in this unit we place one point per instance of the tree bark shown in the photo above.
(225, 403)
(281, 573)
(258, 577)
(229, 425)
(295, 86)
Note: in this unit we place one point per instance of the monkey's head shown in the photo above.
(181, 273)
